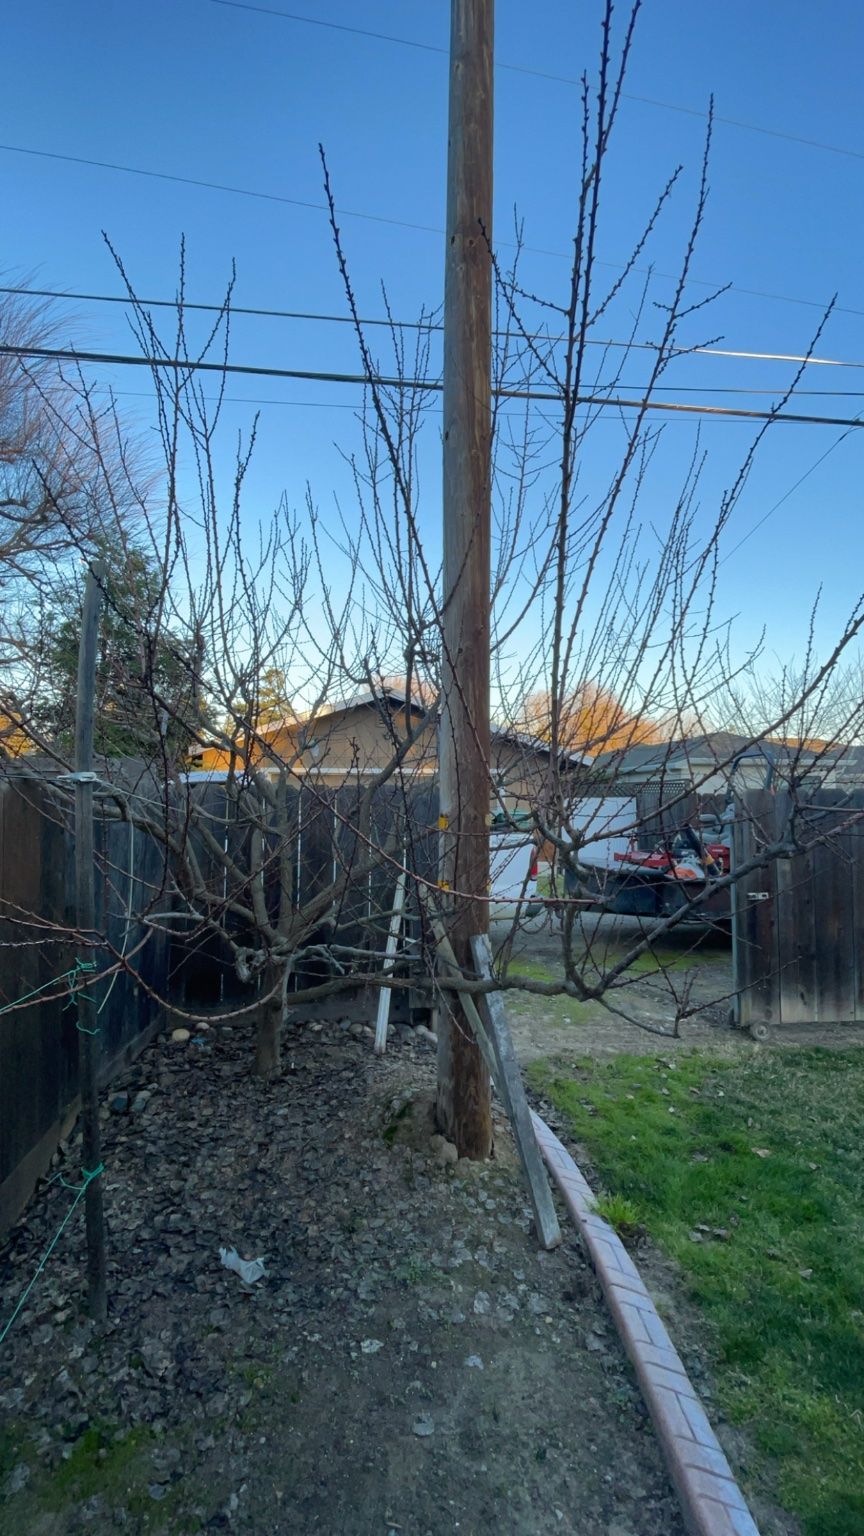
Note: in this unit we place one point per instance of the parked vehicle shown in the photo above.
(615, 873)
(513, 862)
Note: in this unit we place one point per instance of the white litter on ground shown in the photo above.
(249, 1270)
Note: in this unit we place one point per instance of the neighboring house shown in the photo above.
(697, 761)
(845, 766)
(356, 738)
(521, 766)
(705, 763)
(351, 738)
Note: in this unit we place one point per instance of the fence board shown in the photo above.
(39, 1043)
(813, 927)
(795, 940)
(834, 964)
(856, 838)
(755, 947)
(794, 928)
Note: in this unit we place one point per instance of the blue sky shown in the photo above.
(201, 90)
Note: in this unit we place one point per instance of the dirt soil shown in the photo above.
(693, 959)
(411, 1363)
(695, 962)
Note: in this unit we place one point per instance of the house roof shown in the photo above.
(718, 747)
(364, 698)
(536, 744)
(652, 757)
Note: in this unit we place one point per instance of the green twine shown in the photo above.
(74, 970)
(88, 1176)
(82, 965)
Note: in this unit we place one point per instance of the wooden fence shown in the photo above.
(798, 922)
(39, 1042)
(326, 846)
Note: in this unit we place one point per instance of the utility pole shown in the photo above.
(464, 1099)
(85, 918)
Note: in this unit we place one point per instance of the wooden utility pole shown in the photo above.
(85, 918)
(464, 1101)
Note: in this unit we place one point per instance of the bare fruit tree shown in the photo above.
(277, 679)
(609, 638)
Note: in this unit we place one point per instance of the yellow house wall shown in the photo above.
(353, 741)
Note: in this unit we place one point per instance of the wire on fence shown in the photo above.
(80, 1190)
(73, 971)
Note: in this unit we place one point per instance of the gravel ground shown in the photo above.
(410, 1363)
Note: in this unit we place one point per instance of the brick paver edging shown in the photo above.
(711, 1501)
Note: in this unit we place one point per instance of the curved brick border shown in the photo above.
(712, 1502)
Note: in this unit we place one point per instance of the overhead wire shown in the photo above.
(185, 365)
(429, 229)
(790, 492)
(350, 405)
(545, 74)
(390, 324)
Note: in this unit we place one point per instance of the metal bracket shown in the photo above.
(758, 895)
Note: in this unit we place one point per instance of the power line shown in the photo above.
(218, 186)
(183, 365)
(334, 405)
(543, 74)
(418, 325)
(380, 218)
(791, 491)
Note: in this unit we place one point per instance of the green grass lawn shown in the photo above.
(750, 1174)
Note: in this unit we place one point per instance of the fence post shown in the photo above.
(85, 917)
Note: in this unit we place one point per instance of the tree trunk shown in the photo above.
(268, 1035)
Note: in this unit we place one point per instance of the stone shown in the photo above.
(180, 1036)
(18, 1478)
(423, 1427)
(140, 1102)
(371, 1346)
(119, 1103)
(474, 1363)
(445, 1153)
(482, 1304)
